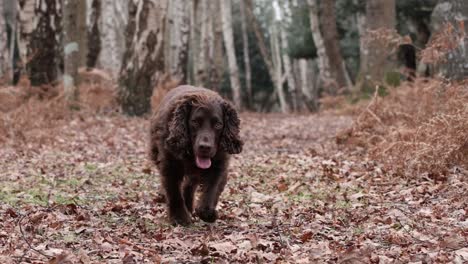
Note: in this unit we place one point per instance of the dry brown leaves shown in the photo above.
(443, 42)
(87, 194)
(389, 39)
(32, 113)
(419, 127)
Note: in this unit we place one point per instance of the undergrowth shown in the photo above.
(420, 127)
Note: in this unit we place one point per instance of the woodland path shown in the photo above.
(84, 192)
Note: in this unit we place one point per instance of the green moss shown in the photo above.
(392, 78)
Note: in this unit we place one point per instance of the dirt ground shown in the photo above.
(84, 192)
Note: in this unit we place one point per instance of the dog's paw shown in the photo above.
(207, 214)
(183, 219)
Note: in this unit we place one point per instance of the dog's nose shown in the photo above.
(204, 147)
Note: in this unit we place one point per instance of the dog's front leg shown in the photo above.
(172, 176)
(213, 186)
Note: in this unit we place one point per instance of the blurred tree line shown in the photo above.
(280, 55)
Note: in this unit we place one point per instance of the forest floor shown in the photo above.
(86, 193)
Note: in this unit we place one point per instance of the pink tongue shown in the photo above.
(203, 163)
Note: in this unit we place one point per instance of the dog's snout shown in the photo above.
(205, 145)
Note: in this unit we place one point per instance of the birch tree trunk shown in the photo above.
(10, 13)
(203, 55)
(40, 39)
(217, 67)
(380, 14)
(4, 47)
(270, 63)
(82, 38)
(260, 39)
(72, 36)
(143, 63)
(454, 12)
(229, 44)
(288, 69)
(332, 45)
(323, 60)
(113, 25)
(94, 40)
(177, 32)
(245, 43)
(278, 65)
(194, 42)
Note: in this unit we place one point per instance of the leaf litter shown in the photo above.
(84, 192)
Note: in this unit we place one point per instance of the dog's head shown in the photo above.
(201, 126)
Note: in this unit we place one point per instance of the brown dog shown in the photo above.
(192, 134)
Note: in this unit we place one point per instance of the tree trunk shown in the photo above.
(4, 47)
(143, 63)
(113, 25)
(10, 13)
(194, 41)
(203, 56)
(272, 66)
(245, 43)
(230, 49)
(260, 39)
(380, 14)
(278, 65)
(454, 12)
(309, 88)
(288, 70)
(72, 48)
(282, 49)
(332, 45)
(217, 67)
(94, 40)
(323, 60)
(177, 46)
(82, 28)
(40, 32)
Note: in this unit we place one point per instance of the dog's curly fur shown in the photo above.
(172, 152)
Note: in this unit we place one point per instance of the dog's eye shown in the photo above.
(218, 126)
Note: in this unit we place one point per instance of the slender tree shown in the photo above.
(195, 32)
(323, 60)
(260, 38)
(332, 45)
(82, 30)
(273, 62)
(380, 14)
(278, 66)
(288, 67)
(177, 45)
(203, 51)
(73, 33)
(231, 54)
(4, 50)
(245, 43)
(276, 46)
(94, 40)
(217, 67)
(143, 63)
(113, 35)
(10, 16)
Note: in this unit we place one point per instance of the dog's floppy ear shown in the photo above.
(230, 139)
(178, 141)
